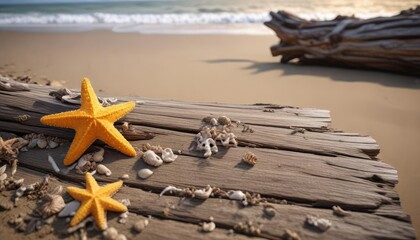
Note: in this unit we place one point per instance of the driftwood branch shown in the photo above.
(383, 43)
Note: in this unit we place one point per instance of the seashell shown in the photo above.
(52, 144)
(53, 164)
(52, 205)
(57, 190)
(340, 212)
(123, 218)
(126, 202)
(223, 120)
(125, 127)
(99, 155)
(121, 237)
(140, 225)
(3, 169)
(152, 159)
(145, 173)
(213, 122)
(203, 193)
(250, 158)
(290, 235)
(33, 143)
(19, 182)
(110, 233)
(20, 191)
(3, 177)
(42, 143)
(320, 223)
(14, 167)
(102, 169)
(270, 211)
(227, 139)
(168, 156)
(236, 195)
(208, 145)
(70, 209)
(208, 227)
(170, 189)
(125, 176)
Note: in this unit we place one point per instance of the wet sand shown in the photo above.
(231, 69)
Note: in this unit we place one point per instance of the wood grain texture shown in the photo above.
(300, 159)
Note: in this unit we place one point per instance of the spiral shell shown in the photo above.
(102, 169)
(152, 159)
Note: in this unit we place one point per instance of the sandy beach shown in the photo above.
(231, 69)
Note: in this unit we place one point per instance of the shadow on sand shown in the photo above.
(334, 73)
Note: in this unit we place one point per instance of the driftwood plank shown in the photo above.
(275, 133)
(228, 213)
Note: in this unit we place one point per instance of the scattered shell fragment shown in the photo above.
(123, 218)
(247, 228)
(14, 166)
(42, 143)
(213, 122)
(53, 164)
(168, 155)
(152, 158)
(52, 144)
(125, 127)
(145, 173)
(102, 169)
(208, 145)
(223, 120)
(320, 223)
(203, 193)
(236, 195)
(51, 204)
(208, 227)
(250, 158)
(170, 189)
(99, 155)
(126, 202)
(3, 177)
(125, 177)
(340, 212)
(140, 225)
(3, 169)
(290, 235)
(227, 139)
(110, 233)
(70, 209)
(269, 211)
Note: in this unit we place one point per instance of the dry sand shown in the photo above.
(232, 69)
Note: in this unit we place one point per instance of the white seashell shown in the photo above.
(145, 173)
(121, 237)
(152, 159)
(227, 138)
(19, 182)
(125, 177)
(168, 156)
(126, 202)
(14, 166)
(3, 177)
(33, 143)
(140, 225)
(203, 193)
(320, 223)
(208, 145)
(70, 209)
(99, 155)
(208, 227)
(213, 122)
(102, 169)
(53, 164)
(110, 234)
(20, 191)
(2, 169)
(236, 195)
(170, 189)
(52, 144)
(125, 127)
(52, 205)
(42, 143)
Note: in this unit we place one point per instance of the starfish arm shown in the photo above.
(82, 212)
(112, 205)
(91, 184)
(68, 119)
(115, 112)
(90, 102)
(85, 136)
(116, 140)
(109, 189)
(99, 214)
(79, 194)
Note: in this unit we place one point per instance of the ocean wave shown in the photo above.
(109, 18)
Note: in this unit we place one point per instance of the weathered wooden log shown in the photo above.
(300, 160)
(383, 43)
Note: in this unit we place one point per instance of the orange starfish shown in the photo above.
(91, 122)
(95, 200)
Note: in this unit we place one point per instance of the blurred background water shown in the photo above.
(198, 16)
